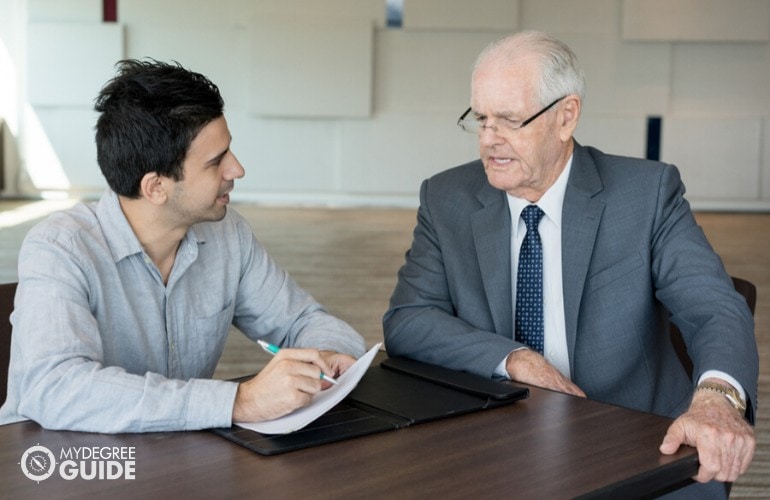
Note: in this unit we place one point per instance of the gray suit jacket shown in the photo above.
(631, 251)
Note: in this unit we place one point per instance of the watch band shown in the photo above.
(732, 396)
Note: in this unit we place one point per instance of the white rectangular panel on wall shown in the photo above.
(178, 13)
(68, 63)
(622, 78)
(310, 70)
(593, 17)
(71, 132)
(481, 15)
(246, 13)
(696, 20)
(67, 11)
(426, 71)
(718, 157)
(285, 156)
(393, 153)
(617, 135)
(223, 58)
(372, 11)
(714, 79)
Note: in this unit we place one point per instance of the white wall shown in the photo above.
(327, 106)
(12, 38)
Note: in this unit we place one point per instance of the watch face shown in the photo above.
(736, 401)
(38, 463)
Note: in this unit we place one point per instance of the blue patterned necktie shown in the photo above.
(529, 283)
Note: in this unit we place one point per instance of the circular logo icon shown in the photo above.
(38, 463)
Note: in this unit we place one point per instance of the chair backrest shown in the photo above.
(748, 290)
(7, 293)
(745, 288)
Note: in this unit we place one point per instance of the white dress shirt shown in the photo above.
(102, 344)
(554, 329)
(550, 229)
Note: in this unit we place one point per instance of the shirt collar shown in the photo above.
(550, 203)
(121, 239)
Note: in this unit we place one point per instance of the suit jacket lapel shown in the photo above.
(491, 227)
(581, 214)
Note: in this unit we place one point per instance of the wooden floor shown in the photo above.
(348, 260)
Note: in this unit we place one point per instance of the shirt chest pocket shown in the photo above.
(205, 340)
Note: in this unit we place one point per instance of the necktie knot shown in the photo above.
(532, 215)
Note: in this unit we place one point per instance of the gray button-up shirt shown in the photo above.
(101, 344)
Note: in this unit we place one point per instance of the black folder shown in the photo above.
(394, 393)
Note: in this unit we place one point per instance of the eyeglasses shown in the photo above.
(475, 125)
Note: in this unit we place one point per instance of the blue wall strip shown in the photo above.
(654, 126)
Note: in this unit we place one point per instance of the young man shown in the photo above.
(123, 306)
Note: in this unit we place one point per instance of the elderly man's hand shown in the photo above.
(724, 439)
(530, 367)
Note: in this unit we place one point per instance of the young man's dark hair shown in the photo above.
(150, 113)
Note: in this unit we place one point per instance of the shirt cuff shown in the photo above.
(210, 404)
(500, 371)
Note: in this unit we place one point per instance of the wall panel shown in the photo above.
(478, 15)
(394, 153)
(69, 62)
(322, 70)
(619, 135)
(623, 77)
(426, 72)
(594, 17)
(223, 57)
(696, 20)
(714, 79)
(718, 158)
(87, 11)
(327, 105)
(370, 11)
(71, 131)
(284, 155)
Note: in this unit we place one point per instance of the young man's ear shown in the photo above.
(153, 188)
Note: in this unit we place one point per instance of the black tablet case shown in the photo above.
(395, 393)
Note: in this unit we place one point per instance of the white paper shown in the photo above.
(322, 402)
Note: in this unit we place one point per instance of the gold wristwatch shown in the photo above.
(732, 395)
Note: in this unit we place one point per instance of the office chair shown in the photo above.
(748, 290)
(745, 288)
(7, 292)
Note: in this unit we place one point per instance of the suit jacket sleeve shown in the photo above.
(633, 258)
(691, 281)
(440, 312)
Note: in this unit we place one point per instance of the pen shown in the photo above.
(273, 350)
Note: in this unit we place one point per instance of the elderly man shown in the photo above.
(556, 265)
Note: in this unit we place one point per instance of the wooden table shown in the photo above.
(548, 446)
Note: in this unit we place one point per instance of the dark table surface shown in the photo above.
(548, 446)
